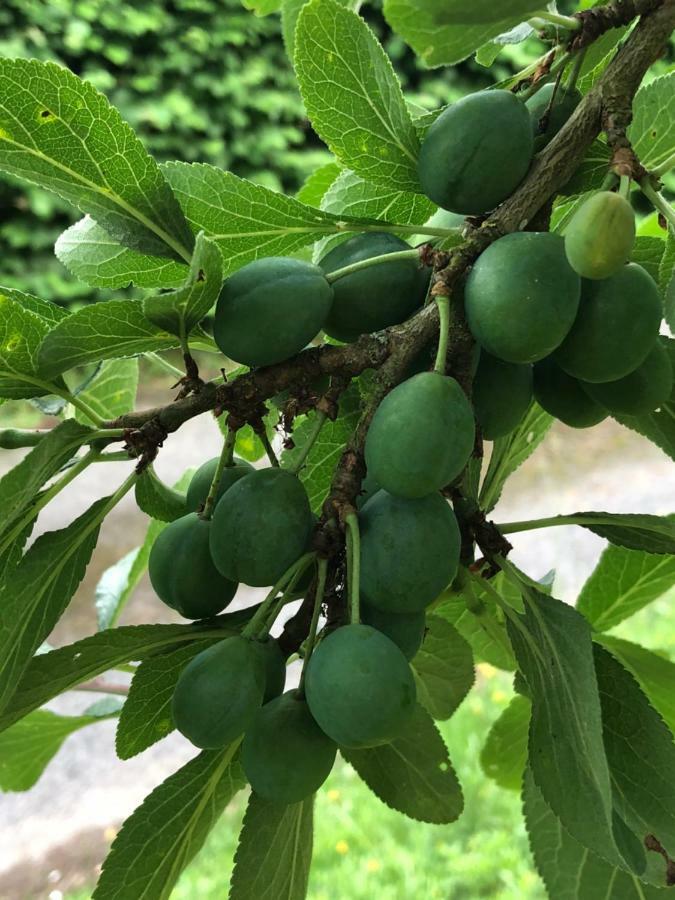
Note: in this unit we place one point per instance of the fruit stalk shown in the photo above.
(226, 459)
(314, 624)
(263, 610)
(443, 304)
(318, 423)
(658, 201)
(376, 260)
(354, 567)
(568, 22)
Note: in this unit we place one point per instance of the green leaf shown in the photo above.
(169, 828)
(504, 754)
(247, 221)
(439, 44)
(598, 56)
(639, 531)
(570, 870)
(655, 673)
(157, 499)
(488, 53)
(274, 853)
(458, 12)
(117, 583)
(146, 716)
(45, 309)
(488, 640)
(20, 485)
(648, 253)
(624, 582)
(88, 251)
(317, 473)
(554, 650)
(640, 752)
(350, 195)
(444, 668)
(21, 333)
(50, 674)
(412, 774)
(652, 131)
(591, 173)
(179, 311)
(669, 305)
(316, 184)
(27, 747)
(114, 586)
(33, 599)
(666, 269)
(659, 426)
(511, 451)
(113, 391)
(60, 133)
(353, 97)
(107, 330)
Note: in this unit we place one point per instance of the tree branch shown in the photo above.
(391, 351)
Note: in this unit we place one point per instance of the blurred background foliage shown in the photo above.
(198, 80)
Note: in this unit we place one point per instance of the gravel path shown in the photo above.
(53, 835)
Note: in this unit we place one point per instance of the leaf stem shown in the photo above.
(568, 22)
(624, 186)
(354, 567)
(314, 624)
(665, 166)
(47, 496)
(164, 364)
(269, 450)
(317, 424)
(552, 522)
(443, 304)
(371, 261)
(658, 201)
(575, 70)
(288, 596)
(225, 460)
(263, 610)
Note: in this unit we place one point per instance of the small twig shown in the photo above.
(100, 686)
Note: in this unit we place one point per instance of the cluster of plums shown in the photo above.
(564, 319)
(359, 690)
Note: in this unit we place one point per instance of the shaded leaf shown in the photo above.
(45, 309)
(88, 251)
(318, 470)
(413, 773)
(553, 647)
(640, 752)
(40, 589)
(169, 828)
(655, 674)
(486, 633)
(180, 310)
(19, 486)
(504, 754)
(639, 531)
(49, 674)
(21, 333)
(274, 853)
(113, 392)
(27, 747)
(435, 43)
(444, 668)
(570, 871)
(146, 717)
(659, 426)
(511, 451)
(648, 253)
(158, 500)
(113, 587)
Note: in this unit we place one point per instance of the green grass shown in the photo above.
(363, 849)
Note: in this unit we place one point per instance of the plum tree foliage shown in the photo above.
(452, 280)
